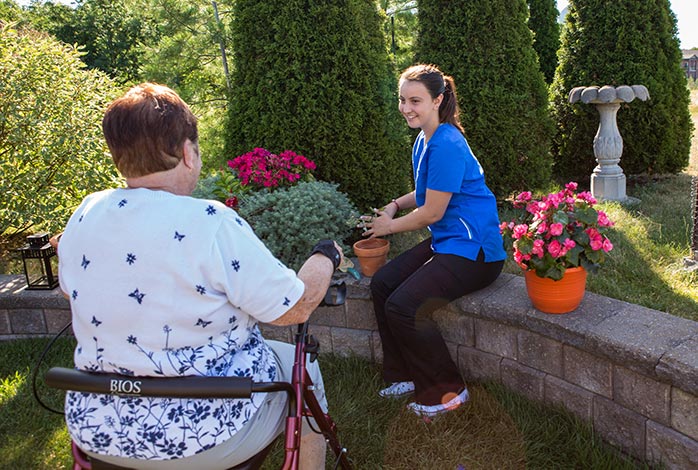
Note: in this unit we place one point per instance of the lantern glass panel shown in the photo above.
(40, 263)
(36, 273)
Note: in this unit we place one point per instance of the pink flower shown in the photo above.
(232, 202)
(556, 229)
(607, 245)
(603, 220)
(538, 249)
(520, 231)
(555, 248)
(586, 197)
(524, 196)
(569, 244)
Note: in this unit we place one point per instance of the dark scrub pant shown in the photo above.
(406, 292)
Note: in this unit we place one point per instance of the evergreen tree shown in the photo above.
(546, 34)
(622, 42)
(314, 77)
(487, 47)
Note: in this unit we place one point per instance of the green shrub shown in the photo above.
(487, 47)
(291, 220)
(315, 77)
(624, 42)
(546, 34)
(51, 144)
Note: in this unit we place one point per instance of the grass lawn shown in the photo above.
(497, 429)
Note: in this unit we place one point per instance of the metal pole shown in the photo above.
(222, 44)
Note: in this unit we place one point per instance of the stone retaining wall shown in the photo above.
(630, 371)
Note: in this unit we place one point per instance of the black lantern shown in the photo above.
(40, 262)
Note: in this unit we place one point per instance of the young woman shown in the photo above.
(465, 252)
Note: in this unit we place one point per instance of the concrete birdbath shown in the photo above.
(608, 180)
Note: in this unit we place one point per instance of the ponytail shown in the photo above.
(449, 111)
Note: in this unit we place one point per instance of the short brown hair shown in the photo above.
(146, 129)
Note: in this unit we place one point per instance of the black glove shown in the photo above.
(327, 248)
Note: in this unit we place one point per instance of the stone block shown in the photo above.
(27, 321)
(539, 352)
(575, 399)
(377, 347)
(679, 366)
(684, 412)
(455, 327)
(358, 289)
(524, 380)
(5, 328)
(329, 316)
(496, 338)
(670, 449)
(277, 333)
(588, 371)
(346, 342)
(323, 334)
(453, 351)
(638, 337)
(14, 295)
(642, 394)
(56, 319)
(506, 301)
(473, 302)
(478, 366)
(620, 426)
(360, 315)
(572, 328)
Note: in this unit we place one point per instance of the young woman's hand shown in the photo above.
(377, 225)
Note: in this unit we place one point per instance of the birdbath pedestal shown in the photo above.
(607, 179)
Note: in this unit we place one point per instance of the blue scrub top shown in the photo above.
(471, 220)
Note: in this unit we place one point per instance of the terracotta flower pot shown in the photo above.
(561, 296)
(372, 253)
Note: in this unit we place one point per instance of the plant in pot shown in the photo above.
(556, 239)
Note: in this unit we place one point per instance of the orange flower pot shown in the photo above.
(561, 296)
(372, 253)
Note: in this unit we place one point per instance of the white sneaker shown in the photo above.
(397, 390)
(429, 411)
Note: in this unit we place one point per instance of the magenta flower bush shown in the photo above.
(558, 231)
(262, 169)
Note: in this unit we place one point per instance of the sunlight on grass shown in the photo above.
(9, 387)
(651, 239)
(693, 108)
(480, 435)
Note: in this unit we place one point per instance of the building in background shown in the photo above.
(689, 63)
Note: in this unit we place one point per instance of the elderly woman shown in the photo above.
(162, 284)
